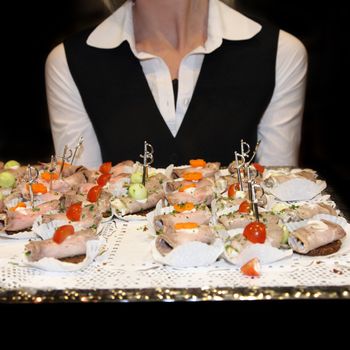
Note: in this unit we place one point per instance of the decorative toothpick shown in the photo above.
(32, 174)
(147, 160)
(254, 153)
(245, 149)
(250, 187)
(52, 169)
(76, 149)
(256, 200)
(67, 153)
(238, 168)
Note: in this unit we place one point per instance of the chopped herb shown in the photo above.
(35, 209)
(94, 227)
(27, 253)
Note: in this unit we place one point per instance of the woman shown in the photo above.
(192, 77)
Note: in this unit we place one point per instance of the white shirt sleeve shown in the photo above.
(280, 127)
(68, 117)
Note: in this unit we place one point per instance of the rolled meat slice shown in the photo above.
(128, 205)
(166, 242)
(236, 220)
(305, 211)
(172, 186)
(202, 195)
(277, 179)
(167, 221)
(209, 170)
(24, 219)
(72, 246)
(314, 235)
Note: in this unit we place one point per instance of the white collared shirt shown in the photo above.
(279, 129)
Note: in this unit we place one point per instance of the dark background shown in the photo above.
(34, 28)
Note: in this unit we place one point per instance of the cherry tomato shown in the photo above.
(62, 233)
(231, 191)
(73, 213)
(260, 169)
(106, 167)
(255, 232)
(251, 268)
(244, 207)
(103, 179)
(94, 194)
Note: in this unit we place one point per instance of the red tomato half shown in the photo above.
(62, 233)
(255, 232)
(103, 179)
(94, 194)
(232, 190)
(260, 169)
(73, 213)
(251, 268)
(244, 207)
(105, 168)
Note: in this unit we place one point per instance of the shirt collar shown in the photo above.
(223, 23)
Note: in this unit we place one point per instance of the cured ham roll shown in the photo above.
(201, 195)
(236, 220)
(306, 211)
(125, 167)
(172, 186)
(277, 179)
(209, 170)
(24, 219)
(314, 235)
(128, 205)
(166, 222)
(166, 242)
(72, 246)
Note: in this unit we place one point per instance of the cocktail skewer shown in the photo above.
(238, 168)
(147, 160)
(245, 149)
(52, 169)
(67, 153)
(256, 200)
(32, 174)
(76, 149)
(254, 153)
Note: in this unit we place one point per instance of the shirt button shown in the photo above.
(186, 102)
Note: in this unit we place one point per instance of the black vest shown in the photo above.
(233, 90)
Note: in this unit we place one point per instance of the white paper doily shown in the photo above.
(128, 264)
